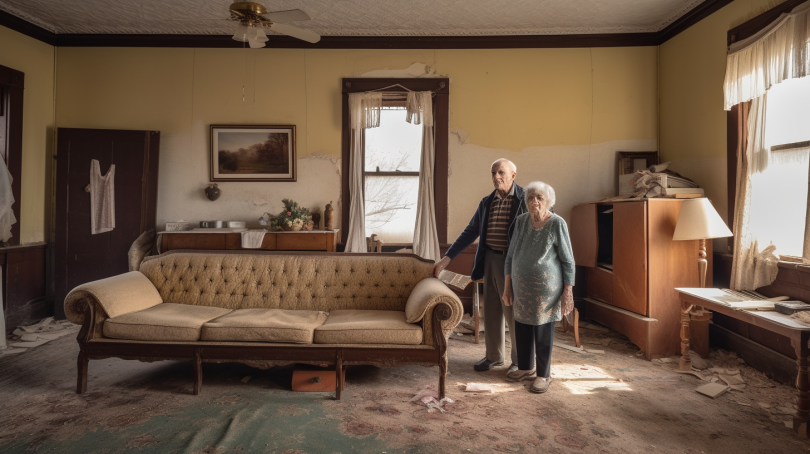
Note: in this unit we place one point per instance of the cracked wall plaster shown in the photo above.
(578, 174)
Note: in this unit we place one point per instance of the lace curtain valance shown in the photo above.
(776, 53)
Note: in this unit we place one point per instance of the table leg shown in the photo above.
(686, 361)
(802, 417)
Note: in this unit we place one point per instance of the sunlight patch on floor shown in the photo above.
(586, 379)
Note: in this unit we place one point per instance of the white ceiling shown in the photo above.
(361, 17)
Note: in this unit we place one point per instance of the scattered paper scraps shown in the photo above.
(712, 390)
(430, 399)
(576, 349)
(478, 388)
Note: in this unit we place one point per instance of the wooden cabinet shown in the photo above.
(319, 240)
(633, 267)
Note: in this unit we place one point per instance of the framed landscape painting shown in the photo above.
(253, 153)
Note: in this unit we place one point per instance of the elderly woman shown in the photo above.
(539, 277)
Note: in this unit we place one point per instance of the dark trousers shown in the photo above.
(534, 341)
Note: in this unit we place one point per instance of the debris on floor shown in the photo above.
(25, 337)
(478, 388)
(712, 389)
(430, 398)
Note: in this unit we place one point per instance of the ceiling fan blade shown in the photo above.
(292, 15)
(295, 32)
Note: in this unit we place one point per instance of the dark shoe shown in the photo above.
(486, 364)
(540, 385)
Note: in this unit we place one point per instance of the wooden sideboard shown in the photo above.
(632, 269)
(318, 240)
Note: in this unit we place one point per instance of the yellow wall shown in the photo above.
(561, 114)
(36, 60)
(692, 119)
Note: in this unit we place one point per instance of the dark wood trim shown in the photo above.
(791, 146)
(392, 174)
(24, 285)
(697, 14)
(751, 27)
(441, 118)
(732, 117)
(692, 17)
(27, 28)
(369, 42)
(13, 83)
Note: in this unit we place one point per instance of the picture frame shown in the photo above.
(253, 153)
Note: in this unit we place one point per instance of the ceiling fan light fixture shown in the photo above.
(241, 34)
(261, 35)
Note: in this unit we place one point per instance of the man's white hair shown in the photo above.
(542, 189)
(512, 164)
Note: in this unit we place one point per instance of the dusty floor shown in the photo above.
(614, 402)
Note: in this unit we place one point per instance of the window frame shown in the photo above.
(12, 86)
(441, 111)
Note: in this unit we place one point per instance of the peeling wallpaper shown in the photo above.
(560, 114)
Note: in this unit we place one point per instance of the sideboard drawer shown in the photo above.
(206, 241)
(600, 284)
(301, 242)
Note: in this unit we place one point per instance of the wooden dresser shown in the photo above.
(318, 240)
(632, 267)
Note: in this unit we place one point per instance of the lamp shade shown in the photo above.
(698, 220)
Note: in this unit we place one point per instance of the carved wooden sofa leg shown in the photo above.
(338, 374)
(197, 372)
(81, 380)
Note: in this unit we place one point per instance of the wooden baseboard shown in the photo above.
(772, 363)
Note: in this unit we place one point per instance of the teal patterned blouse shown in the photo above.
(541, 263)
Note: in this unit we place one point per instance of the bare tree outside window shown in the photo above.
(392, 157)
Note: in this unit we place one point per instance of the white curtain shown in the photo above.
(425, 238)
(7, 217)
(751, 267)
(364, 113)
(778, 52)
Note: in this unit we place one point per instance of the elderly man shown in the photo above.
(492, 224)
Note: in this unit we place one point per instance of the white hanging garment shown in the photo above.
(102, 199)
(7, 217)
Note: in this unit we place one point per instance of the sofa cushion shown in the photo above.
(264, 325)
(164, 322)
(368, 327)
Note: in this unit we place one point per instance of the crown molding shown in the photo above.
(27, 28)
(752, 26)
(694, 16)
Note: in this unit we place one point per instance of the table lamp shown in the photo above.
(698, 220)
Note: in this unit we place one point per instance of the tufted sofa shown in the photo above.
(266, 309)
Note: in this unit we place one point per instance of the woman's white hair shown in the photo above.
(543, 189)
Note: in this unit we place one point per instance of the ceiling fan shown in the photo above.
(253, 18)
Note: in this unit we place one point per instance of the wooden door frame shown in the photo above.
(12, 86)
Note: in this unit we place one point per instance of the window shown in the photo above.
(392, 191)
(392, 156)
(779, 193)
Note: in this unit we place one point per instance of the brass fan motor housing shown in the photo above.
(248, 12)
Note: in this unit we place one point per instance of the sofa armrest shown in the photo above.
(428, 293)
(117, 295)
